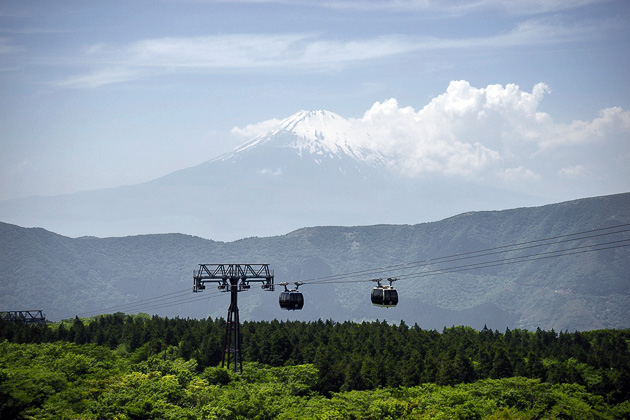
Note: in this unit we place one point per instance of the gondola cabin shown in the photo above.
(291, 300)
(384, 296)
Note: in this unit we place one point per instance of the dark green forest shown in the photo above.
(138, 366)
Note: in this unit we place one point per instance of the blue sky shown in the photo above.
(101, 94)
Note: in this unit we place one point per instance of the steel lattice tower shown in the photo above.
(234, 278)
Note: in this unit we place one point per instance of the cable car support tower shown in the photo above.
(233, 278)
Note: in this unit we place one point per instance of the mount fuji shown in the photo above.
(320, 134)
(314, 168)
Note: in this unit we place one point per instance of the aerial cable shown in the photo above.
(471, 254)
(155, 298)
(124, 305)
(448, 259)
(155, 305)
(468, 254)
(183, 301)
(493, 263)
(150, 305)
(526, 258)
(477, 266)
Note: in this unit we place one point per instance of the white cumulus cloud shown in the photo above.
(610, 122)
(462, 131)
(495, 134)
(254, 130)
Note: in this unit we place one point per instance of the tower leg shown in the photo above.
(232, 344)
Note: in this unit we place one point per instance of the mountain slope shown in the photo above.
(588, 290)
(315, 168)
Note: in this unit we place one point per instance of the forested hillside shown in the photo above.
(563, 266)
(150, 367)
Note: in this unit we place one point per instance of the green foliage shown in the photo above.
(350, 356)
(143, 395)
(345, 370)
(510, 398)
(179, 368)
(172, 389)
(55, 377)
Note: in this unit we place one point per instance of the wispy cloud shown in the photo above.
(103, 77)
(438, 7)
(6, 47)
(229, 52)
(288, 52)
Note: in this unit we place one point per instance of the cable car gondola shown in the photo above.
(384, 296)
(291, 300)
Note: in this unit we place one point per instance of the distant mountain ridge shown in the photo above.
(314, 168)
(581, 291)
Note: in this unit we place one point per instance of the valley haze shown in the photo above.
(316, 168)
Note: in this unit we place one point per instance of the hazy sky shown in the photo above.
(101, 94)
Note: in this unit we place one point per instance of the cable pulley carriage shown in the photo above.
(384, 296)
(291, 299)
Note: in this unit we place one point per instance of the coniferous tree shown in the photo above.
(501, 364)
(78, 332)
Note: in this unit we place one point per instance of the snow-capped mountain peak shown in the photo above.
(320, 133)
(315, 124)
